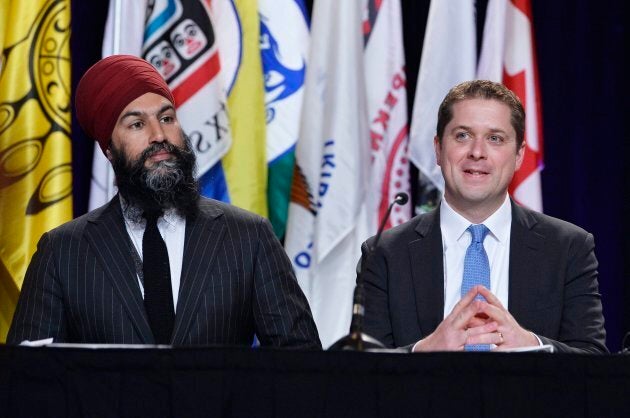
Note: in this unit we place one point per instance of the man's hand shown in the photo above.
(510, 333)
(465, 322)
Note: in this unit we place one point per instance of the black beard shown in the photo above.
(167, 184)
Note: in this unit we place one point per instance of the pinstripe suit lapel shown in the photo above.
(525, 267)
(427, 266)
(108, 239)
(204, 235)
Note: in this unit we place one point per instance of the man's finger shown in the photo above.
(485, 338)
(464, 302)
(497, 313)
(490, 297)
(477, 321)
(461, 320)
(482, 329)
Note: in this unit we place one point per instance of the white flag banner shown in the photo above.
(284, 42)
(507, 56)
(387, 110)
(123, 35)
(284, 48)
(449, 56)
(327, 216)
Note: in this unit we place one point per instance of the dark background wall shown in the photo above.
(580, 50)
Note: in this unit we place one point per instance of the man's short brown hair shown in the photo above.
(483, 89)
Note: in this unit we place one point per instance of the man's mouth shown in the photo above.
(476, 172)
(160, 155)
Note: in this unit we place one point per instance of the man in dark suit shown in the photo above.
(158, 263)
(540, 272)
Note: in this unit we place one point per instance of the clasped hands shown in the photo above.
(477, 322)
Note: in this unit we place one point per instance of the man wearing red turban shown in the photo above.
(158, 264)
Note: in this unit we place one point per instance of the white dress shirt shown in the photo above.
(172, 227)
(455, 242)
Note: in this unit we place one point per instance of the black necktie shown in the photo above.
(158, 294)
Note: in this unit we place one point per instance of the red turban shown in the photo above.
(108, 87)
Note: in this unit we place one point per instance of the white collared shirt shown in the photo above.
(455, 242)
(172, 227)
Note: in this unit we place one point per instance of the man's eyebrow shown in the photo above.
(163, 109)
(467, 128)
(464, 127)
(132, 113)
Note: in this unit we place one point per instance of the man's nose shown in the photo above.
(477, 148)
(156, 132)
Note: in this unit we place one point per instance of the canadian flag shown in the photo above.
(508, 56)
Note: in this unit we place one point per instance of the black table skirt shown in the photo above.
(243, 382)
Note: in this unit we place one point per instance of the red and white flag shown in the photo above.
(387, 111)
(508, 56)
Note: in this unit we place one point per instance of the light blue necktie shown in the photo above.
(476, 271)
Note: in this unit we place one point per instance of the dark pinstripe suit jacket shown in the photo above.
(553, 289)
(236, 281)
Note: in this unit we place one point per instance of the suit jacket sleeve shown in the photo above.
(581, 329)
(39, 313)
(377, 321)
(281, 312)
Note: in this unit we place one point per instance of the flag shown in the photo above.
(327, 215)
(387, 111)
(245, 165)
(178, 39)
(180, 42)
(35, 145)
(124, 31)
(284, 40)
(508, 56)
(449, 56)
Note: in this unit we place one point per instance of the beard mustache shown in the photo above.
(165, 184)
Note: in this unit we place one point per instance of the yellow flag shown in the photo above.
(35, 145)
(246, 162)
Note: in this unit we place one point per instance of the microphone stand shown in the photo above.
(357, 340)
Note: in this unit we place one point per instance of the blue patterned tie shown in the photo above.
(476, 271)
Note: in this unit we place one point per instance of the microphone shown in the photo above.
(356, 340)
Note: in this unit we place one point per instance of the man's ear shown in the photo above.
(437, 147)
(520, 154)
